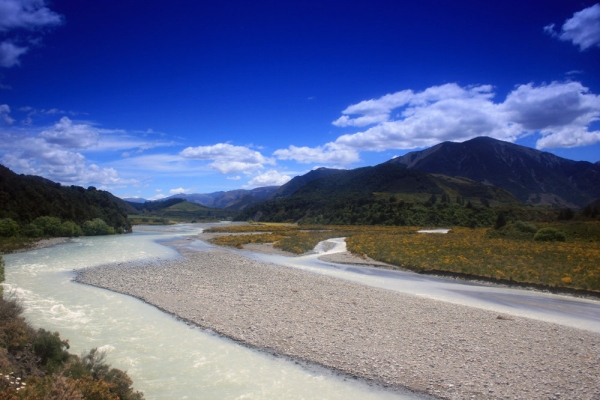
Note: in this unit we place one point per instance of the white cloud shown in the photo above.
(561, 112)
(227, 158)
(157, 197)
(54, 154)
(4, 111)
(330, 153)
(75, 136)
(178, 191)
(10, 53)
(22, 14)
(583, 29)
(269, 178)
(26, 14)
(234, 178)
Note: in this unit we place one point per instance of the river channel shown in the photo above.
(166, 358)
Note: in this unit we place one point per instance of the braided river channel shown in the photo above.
(165, 357)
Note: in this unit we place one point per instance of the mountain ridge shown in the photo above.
(533, 176)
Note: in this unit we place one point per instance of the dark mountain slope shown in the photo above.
(24, 198)
(297, 182)
(532, 176)
(352, 189)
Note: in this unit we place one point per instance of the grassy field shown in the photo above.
(509, 253)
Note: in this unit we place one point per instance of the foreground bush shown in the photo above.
(36, 365)
(550, 235)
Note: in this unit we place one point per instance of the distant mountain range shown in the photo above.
(231, 200)
(483, 169)
(533, 176)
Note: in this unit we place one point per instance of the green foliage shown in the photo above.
(49, 226)
(71, 229)
(500, 221)
(1, 274)
(525, 227)
(25, 198)
(40, 359)
(550, 235)
(51, 350)
(97, 227)
(8, 227)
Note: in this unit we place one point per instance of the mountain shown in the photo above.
(134, 199)
(297, 182)
(232, 200)
(23, 198)
(533, 176)
(370, 195)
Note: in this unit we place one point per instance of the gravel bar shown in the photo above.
(383, 337)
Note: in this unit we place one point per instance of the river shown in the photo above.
(166, 358)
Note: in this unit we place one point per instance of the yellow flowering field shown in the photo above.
(573, 263)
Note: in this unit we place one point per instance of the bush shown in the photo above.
(50, 349)
(550, 235)
(50, 226)
(8, 227)
(97, 227)
(525, 227)
(70, 229)
(32, 231)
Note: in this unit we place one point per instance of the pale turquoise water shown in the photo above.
(166, 358)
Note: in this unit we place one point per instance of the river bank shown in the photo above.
(380, 336)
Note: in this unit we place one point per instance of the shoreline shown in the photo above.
(385, 338)
(42, 244)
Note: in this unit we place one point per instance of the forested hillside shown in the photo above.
(26, 198)
(385, 194)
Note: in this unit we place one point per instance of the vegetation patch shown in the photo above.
(508, 253)
(35, 364)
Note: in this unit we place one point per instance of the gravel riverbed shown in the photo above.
(388, 338)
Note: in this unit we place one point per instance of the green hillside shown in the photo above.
(177, 210)
(386, 194)
(25, 198)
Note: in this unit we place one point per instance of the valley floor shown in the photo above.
(388, 338)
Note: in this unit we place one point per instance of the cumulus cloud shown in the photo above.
(560, 111)
(583, 29)
(330, 153)
(27, 14)
(74, 136)
(55, 154)
(178, 191)
(269, 178)
(227, 158)
(10, 53)
(4, 114)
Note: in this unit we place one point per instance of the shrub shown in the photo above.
(550, 235)
(70, 229)
(8, 227)
(50, 349)
(50, 226)
(97, 227)
(32, 231)
(525, 227)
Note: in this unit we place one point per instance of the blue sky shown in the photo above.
(148, 99)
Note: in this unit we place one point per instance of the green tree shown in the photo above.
(97, 227)
(8, 227)
(70, 229)
(50, 226)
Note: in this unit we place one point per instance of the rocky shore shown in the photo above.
(388, 338)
